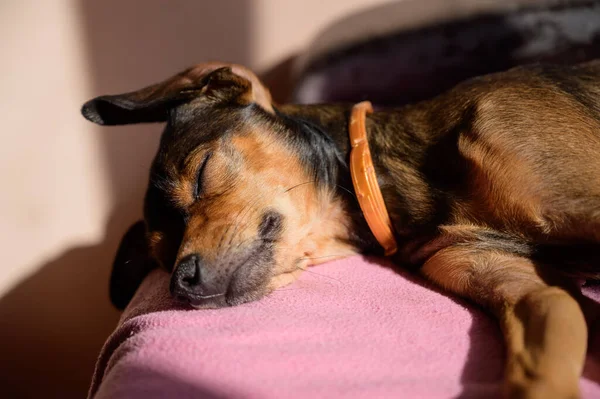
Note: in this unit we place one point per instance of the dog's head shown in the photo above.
(241, 198)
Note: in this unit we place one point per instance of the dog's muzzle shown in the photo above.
(191, 282)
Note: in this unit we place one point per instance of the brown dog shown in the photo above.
(493, 189)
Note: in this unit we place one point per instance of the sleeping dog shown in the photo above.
(491, 191)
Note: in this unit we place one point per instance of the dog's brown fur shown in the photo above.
(493, 189)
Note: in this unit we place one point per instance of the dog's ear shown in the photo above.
(213, 81)
(132, 263)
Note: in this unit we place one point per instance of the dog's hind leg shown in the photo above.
(543, 325)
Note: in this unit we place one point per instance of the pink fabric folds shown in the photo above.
(353, 328)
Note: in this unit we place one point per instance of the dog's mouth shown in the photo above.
(207, 301)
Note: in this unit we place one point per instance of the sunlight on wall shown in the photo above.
(54, 194)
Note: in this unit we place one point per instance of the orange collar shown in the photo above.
(365, 182)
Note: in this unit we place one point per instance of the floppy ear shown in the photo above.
(132, 264)
(214, 81)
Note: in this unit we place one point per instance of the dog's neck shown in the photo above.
(401, 142)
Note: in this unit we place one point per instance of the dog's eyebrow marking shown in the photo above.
(189, 163)
(180, 185)
(253, 151)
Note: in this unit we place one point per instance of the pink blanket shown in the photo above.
(352, 328)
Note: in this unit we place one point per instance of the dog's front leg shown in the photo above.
(544, 327)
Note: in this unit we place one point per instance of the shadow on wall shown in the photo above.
(55, 322)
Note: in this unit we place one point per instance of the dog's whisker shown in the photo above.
(322, 257)
(319, 274)
(348, 191)
(299, 185)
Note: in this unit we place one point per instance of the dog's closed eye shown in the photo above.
(200, 177)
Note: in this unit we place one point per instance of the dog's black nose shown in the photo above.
(191, 283)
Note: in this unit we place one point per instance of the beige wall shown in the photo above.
(69, 189)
